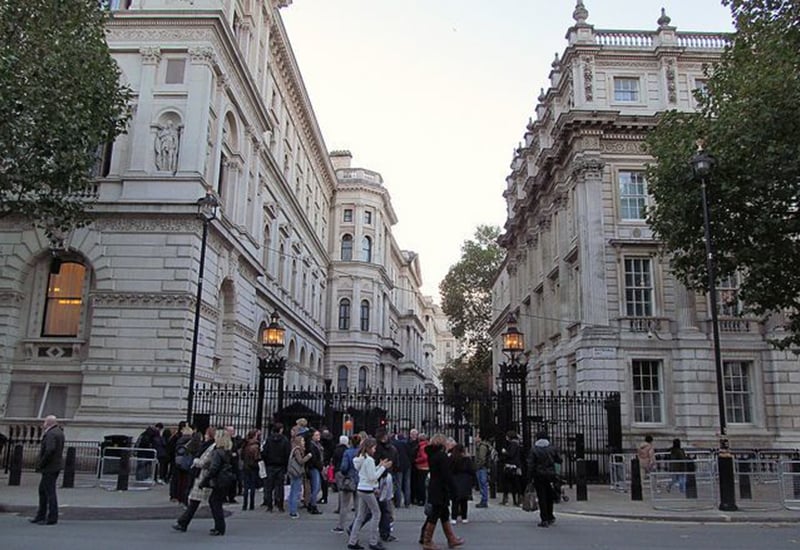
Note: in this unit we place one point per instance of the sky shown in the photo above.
(435, 96)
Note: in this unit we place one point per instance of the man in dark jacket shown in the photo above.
(402, 494)
(386, 450)
(49, 465)
(542, 461)
(275, 455)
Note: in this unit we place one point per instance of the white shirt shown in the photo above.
(368, 473)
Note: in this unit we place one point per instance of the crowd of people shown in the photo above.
(371, 474)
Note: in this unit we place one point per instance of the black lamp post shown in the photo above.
(702, 166)
(272, 365)
(207, 212)
(515, 371)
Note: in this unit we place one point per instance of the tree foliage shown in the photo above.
(749, 118)
(466, 293)
(60, 100)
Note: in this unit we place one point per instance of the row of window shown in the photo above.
(347, 216)
(344, 314)
(627, 88)
(347, 248)
(648, 391)
(640, 290)
(343, 378)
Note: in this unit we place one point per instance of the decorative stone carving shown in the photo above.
(588, 78)
(167, 225)
(150, 55)
(623, 147)
(581, 14)
(591, 166)
(11, 297)
(142, 299)
(202, 55)
(672, 96)
(167, 146)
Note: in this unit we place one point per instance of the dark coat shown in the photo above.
(542, 460)
(50, 453)
(338, 453)
(463, 476)
(403, 456)
(512, 453)
(440, 483)
(276, 451)
(385, 449)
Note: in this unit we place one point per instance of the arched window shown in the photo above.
(347, 248)
(344, 314)
(267, 250)
(364, 315)
(344, 375)
(281, 265)
(366, 249)
(362, 379)
(64, 301)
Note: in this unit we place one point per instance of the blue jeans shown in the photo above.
(483, 484)
(403, 488)
(316, 485)
(296, 485)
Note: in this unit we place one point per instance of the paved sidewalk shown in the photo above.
(91, 502)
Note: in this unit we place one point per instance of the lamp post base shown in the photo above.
(727, 485)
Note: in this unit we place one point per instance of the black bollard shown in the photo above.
(727, 485)
(745, 491)
(68, 482)
(124, 470)
(691, 480)
(15, 475)
(636, 480)
(580, 486)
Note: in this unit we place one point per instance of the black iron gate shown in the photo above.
(583, 425)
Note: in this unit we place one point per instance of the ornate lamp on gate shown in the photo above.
(515, 371)
(272, 365)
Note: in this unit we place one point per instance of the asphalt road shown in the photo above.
(260, 532)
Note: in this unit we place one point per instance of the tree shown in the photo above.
(466, 293)
(60, 101)
(749, 118)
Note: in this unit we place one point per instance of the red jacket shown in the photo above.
(421, 460)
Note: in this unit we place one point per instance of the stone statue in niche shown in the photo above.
(166, 146)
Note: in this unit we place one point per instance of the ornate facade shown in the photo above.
(584, 274)
(97, 328)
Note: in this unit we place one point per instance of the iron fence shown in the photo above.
(583, 425)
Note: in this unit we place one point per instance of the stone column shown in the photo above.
(588, 172)
(197, 111)
(142, 146)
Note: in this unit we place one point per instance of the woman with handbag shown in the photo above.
(511, 457)
(296, 469)
(368, 480)
(251, 454)
(346, 478)
(198, 493)
(221, 477)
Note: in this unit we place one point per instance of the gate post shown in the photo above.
(68, 481)
(124, 470)
(15, 476)
(636, 480)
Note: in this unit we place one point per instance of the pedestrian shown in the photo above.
(368, 481)
(440, 491)
(186, 450)
(402, 471)
(314, 470)
(49, 466)
(542, 462)
(386, 450)
(347, 481)
(251, 454)
(646, 454)
(275, 455)
(220, 478)
(483, 457)
(296, 469)
(511, 457)
(413, 450)
(159, 445)
(146, 455)
(678, 465)
(199, 492)
(421, 468)
(236, 446)
(463, 477)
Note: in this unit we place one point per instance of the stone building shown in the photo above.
(584, 274)
(97, 325)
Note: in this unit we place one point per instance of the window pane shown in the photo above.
(626, 89)
(736, 385)
(343, 378)
(638, 288)
(633, 195)
(646, 391)
(364, 315)
(344, 314)
(347, 248)
(64, 301)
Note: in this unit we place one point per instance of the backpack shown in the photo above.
(183, 458)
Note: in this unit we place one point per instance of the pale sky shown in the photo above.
(435, 95)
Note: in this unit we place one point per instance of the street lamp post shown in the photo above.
(207, 212)
(515, 370)
(702, 166)
(272, 365)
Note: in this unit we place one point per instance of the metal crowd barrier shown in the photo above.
(684, 484)
(619, 470)
(790, 484)
(127, 468)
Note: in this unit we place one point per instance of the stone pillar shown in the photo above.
(588, 172)
(142, 146)
(197, 111)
